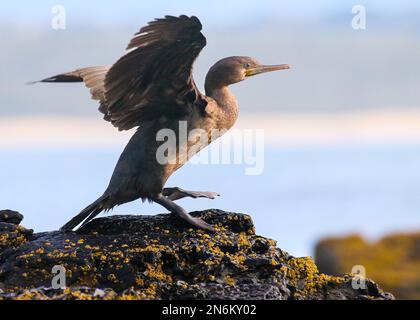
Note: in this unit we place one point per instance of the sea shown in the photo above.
(301, 195)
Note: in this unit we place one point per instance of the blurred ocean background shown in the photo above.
(342, 127)
(303, 194)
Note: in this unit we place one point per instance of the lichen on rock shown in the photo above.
(159, 257)
(393, 260)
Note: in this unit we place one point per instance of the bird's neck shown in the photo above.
(227, 104)
(223, 96)
(217, 89)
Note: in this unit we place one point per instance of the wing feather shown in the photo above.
(93, 77)
(155, 78)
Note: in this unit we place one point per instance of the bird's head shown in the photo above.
(235, 69)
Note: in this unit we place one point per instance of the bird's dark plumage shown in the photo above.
(152, 88)
(155, 78)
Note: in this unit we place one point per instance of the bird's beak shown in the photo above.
(263, 69)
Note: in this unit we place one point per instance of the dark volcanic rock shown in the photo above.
(159, 257)
(10, 216)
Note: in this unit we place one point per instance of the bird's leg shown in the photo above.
(178, 193)
(180, 212)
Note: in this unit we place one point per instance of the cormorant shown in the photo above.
(152, 88)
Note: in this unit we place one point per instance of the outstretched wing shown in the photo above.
(155, 78)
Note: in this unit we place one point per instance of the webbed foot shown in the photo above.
(178, 193)
(181, 213)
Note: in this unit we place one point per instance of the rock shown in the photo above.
(10, 216)
(12, 237)
(394, 260)
(159, 257)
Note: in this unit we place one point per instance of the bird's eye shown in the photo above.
(247, 65)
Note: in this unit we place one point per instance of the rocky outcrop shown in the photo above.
(394, 260)
(159, 257)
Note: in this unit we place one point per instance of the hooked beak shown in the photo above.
(263, 69)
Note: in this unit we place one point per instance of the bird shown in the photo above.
(151, 88)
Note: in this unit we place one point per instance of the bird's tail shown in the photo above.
(87, 214)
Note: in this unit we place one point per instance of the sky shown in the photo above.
(213, 12)
(334, 67)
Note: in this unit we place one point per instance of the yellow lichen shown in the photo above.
(112, 277)
(303, 273)
(230, 281)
